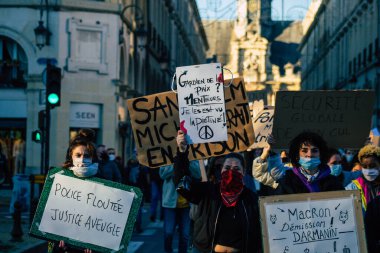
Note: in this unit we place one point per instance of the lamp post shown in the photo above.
(41, 32)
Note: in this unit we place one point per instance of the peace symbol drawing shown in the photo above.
(205, 133)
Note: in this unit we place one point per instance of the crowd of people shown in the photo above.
(220, 213)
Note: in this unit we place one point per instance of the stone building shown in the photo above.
(104, 60)
(340, 49)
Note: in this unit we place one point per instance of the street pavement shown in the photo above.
(151, 239)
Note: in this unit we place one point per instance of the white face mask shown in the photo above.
(112, 157)
(370, 174)
(88, 171)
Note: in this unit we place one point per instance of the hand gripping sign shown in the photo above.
(155, 122)
(88, 213)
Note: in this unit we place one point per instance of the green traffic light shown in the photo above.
(53, 98)
(38, 136)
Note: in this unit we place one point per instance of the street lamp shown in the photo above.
(138, 26)
(41, 32)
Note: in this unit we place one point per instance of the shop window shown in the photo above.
(13, 64)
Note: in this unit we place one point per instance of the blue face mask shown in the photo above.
(309, 163)
(336, 169)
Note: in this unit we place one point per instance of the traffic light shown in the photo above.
(53, 86)
(37, 136)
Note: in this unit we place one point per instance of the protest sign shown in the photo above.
(257, 101)
(155, 122)
(88, 213)
(262, 126)
(202, 112)
(342, 118)
(313, 222)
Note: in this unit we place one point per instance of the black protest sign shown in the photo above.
(342, 118)
(311, 222)
(155, 122)
(88, 213)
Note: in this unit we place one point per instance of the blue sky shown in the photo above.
(226, 9)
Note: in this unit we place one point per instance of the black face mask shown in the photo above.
(285, 160)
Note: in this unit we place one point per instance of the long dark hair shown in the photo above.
(307, 138)
(85, 138)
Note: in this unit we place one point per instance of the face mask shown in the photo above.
(112, 157)
(349, 158)
(88, 171)
(82, 162)
(336, 169)
(310, 164)
(231, 180)
(370, 174)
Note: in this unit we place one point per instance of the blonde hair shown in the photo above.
(367, 151)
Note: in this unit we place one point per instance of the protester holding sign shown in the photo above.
(228, 212)
(310, 172)
(79, 159)
(336, 167)
(369, 182)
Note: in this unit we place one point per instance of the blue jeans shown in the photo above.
(156, 195)
(172, 217)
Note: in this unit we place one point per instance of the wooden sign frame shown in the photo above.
(127, 233)
(303, 197)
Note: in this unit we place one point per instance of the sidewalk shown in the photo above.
(28, 243)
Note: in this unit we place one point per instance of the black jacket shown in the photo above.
(372, 224)
(291, 184)
(207, 196)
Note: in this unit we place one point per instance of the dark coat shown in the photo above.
(207, 196)
(372, 224)
(291, 184)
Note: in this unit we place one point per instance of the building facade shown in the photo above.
(263, 51)
(340, 50)
(102, 65)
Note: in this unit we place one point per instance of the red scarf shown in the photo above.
(230, 187)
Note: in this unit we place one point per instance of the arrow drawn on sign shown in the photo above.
(281, 209)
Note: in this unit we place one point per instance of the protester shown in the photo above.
(156, 194)
(111, 152)
(107, 169)
(309, 173)
(176, 208)
(336, 167)
(137, 176)
(372, 224)
(80, 158)
(228, 219)
(369, 182)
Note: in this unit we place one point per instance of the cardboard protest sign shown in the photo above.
(262, 126)
(201, 103)
(155, 122)
(88, 213)
(313, 222)
(342, 118)
(257, 101)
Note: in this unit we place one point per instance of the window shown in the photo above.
(13, 64)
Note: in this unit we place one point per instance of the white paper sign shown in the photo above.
(312, 226)
(201, 103)
(262, 126)
(86, 211)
